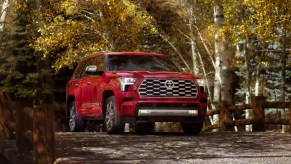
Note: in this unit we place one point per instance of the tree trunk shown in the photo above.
(5, 102)
(283, 76)
(5, 6)
(43, 136)
(257, 85)
(242, 52)
(258, 113)
(222, 78)
(193, 44)
(194, 57)
(259, 80)
(23, 124)
(221, 50)
(4, 115)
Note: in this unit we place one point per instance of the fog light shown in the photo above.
(143, 111)
(192, 111)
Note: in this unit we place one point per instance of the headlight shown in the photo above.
(126, 81)
(202, 84)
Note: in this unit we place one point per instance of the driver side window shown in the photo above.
(96, 61)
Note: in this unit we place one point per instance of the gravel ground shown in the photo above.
(219, 147)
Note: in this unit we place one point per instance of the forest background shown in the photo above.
(241, 47)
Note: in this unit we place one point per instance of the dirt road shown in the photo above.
(220, 147)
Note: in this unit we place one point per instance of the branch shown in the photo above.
(176, 50)
(206, 48)
(85, 16)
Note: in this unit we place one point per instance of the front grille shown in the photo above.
(176, 88)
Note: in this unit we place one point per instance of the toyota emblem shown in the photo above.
(169, 84)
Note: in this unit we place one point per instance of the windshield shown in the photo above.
(140, 63)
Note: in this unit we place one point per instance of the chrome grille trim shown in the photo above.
(182, 88)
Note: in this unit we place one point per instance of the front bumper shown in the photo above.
(167, 112)
(162, 107)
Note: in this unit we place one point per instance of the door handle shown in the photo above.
(76, 85)
(88, 82)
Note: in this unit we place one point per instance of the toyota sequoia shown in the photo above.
(114, 88)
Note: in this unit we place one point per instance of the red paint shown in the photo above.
(89, 92)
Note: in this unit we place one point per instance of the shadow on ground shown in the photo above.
(169, 147)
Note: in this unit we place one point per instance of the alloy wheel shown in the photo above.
(72, 118)
(109, 115)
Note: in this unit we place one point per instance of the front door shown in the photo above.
(91, 98)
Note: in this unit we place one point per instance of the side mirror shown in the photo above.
(92, 70)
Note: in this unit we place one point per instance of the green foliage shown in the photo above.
(262, 27)
(23, 73)
(19, 67)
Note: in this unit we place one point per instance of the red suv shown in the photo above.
(133, 87)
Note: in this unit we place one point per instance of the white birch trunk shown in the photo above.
(257, 85)
(243, 52)
(248, 83)
(259, 82)
(5, 6)
(194, 57)
(193, 44)
(224, 70)
(216, 92)
(219, 50)
(248, 112)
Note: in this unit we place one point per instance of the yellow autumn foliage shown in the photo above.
(260, 19)
(72, 29)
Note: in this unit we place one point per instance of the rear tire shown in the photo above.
(75, 122)
(192, 128)
(113, 123)
(144, 128)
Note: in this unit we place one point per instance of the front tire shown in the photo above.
(192, 128)
(75, 122)
(113, 123)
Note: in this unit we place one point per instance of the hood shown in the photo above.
(147, 74)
